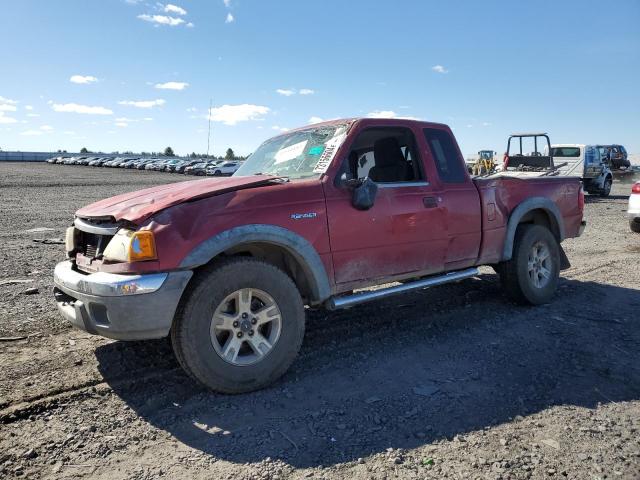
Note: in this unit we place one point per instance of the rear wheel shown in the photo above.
(634, 225)
(240, 327)
(531, 276)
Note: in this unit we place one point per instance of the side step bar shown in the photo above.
(346, 301)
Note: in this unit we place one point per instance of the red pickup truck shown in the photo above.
(225, 266)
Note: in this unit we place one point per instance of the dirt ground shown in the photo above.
(454, 382)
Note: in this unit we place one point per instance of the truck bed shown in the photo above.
(501, 194)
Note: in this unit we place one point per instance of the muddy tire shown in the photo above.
(634, 225)
(239, 327)
(531, 276)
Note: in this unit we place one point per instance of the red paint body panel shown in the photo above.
(506, 193)
(141, 204)
(397, 238)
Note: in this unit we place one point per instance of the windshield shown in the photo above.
(301, 154)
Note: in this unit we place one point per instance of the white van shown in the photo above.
(583, 161)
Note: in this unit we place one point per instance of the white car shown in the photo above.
(634, 208)
(224, 168)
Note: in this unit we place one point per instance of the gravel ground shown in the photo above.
(453, 382)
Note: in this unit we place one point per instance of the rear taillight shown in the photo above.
(581, 200)
(635, 188)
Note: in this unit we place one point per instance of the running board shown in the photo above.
(336, 303)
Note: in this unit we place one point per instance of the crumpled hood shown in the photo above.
(139, 205)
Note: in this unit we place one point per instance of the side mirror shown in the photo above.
(364, 193)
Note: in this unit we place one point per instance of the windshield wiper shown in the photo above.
(276, 178)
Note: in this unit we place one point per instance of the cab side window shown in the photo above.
(445, 154)
(385, 155)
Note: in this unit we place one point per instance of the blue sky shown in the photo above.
(138, 75)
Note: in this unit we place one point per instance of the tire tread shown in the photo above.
(180, 331)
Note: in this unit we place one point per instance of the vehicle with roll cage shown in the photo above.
(315, 216)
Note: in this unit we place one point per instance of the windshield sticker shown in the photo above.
(289, 153)
(329, 152)
(317, 150)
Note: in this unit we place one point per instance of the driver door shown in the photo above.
(404, 232)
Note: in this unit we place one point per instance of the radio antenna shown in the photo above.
(209, 134)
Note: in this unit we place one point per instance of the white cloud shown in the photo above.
(83, 79)
(486, 124)
(192, 109)
(28, 107)
(76, 108)
(46, 128)
(389, 114)
(7, 105)
(121, 124)
(69, 132)
(29, 133)
(315, 120)
(382, 114)
(33, 114)
(439, 69)
(172, 85)
(190, 25)
(161, 19)
(7, 100)
(227, 3)
(233, 114)
(170, 8)
(229, 18)
(287, 92)
(6, 120)
(143, 103)
(280, 129)
(126, 120)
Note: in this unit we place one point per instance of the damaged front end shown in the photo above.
(93, 244)
(96, 291)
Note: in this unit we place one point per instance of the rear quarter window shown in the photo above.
(565, 152)
(450, 166)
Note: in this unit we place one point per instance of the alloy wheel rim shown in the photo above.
(245, 327)
(539, 265)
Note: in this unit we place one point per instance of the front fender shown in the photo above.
(300, 248)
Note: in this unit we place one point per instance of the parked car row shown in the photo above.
(196, 166)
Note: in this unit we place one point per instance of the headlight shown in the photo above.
(129, 246)
(70, 240)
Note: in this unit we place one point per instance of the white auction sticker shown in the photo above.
(329, 152)
(290, 152)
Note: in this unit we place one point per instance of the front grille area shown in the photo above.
(93, 235)
(92, 245)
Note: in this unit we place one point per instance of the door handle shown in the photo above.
(430, 202)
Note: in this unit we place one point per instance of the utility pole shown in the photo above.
(209, 117)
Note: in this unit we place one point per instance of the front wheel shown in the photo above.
(531, 276)
(606, 188)
(634, 225)
(240, 326)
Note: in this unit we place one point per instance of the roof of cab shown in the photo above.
(369, 120)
